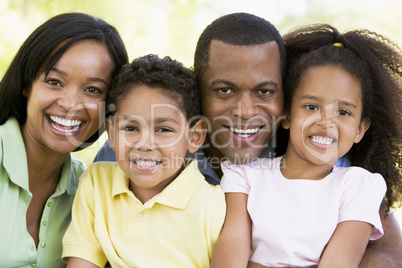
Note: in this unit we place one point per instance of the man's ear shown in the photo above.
(361, 130)
(285, 123)
(109, 126)
(197, 135)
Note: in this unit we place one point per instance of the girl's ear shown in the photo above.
(197, 136)
(361, 130)
(285, 123)
(109, 126)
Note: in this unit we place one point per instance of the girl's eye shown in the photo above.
(311, 107)
(225, 90)
(94, 90)
(53, 82)
(343, 112)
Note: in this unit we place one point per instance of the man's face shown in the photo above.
(242, 99)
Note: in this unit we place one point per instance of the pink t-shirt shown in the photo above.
(293, 220)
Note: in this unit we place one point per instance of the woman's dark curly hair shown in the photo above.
(376, 63)
(176, 81)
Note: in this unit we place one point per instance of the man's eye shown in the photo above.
(265, 91)
(225, 90)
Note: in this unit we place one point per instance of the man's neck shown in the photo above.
(214, 157)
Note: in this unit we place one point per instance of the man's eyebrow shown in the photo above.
(93, 79)
(222, 81)
(231, 84)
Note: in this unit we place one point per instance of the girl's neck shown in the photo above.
(297, 168)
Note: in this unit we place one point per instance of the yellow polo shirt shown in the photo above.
(176, 228)
(17, 247)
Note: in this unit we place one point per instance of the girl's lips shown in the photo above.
(322, 141)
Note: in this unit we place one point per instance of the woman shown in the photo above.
(51, 103)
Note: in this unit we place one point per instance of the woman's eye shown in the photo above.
(53, 82)
(94, 90)
(311, 107)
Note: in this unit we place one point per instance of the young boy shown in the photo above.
(153, 208)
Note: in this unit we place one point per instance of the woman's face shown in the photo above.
(66, 107)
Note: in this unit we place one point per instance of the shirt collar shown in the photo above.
(177, 194)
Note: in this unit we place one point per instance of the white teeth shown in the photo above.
(65, 122)
(146, 163)
(244, 132)
(322, 140)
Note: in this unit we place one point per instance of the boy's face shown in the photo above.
(150, 137)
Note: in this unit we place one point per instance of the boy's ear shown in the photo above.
(109, 126)
(361, 130)
(197, 135)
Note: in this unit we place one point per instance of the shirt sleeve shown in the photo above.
(80, 239)
(361, 201)
(234, 178)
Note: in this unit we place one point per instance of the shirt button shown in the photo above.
(44, 223)
(138, 217)
(43, 245)
(49, 204)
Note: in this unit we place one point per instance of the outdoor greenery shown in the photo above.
(172, 27)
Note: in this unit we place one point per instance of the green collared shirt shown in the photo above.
(17, 247)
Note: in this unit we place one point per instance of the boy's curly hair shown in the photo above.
(176, 81)
(377, 64)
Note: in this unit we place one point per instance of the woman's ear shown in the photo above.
(361, 130)
(109, 126)
(197, 135)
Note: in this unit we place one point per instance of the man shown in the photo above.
(239, 62)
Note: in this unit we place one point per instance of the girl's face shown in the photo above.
(66, 107)
(325, 115)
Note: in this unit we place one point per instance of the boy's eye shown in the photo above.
(129, 128)
(163, 129)
(311, 107)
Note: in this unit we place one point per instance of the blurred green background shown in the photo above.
(172, 27)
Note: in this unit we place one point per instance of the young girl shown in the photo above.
(343, 96)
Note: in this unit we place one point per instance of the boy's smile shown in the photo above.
(150, 137)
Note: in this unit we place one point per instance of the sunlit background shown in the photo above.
(172, 27)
